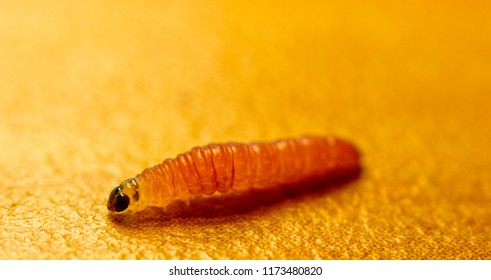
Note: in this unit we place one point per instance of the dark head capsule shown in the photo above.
(118, 202)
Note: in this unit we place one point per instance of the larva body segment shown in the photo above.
(236, 167)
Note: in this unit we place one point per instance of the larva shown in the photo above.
(236, 167)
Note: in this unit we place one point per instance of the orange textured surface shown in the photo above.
(92, 93)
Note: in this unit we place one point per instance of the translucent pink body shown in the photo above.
(239, 167)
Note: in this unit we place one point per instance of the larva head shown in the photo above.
(125, 198)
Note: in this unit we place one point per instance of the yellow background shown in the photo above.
(93, 92)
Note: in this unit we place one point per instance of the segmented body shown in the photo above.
(239, 167)
(218, 168)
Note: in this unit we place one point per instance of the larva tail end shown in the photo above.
(125, 198)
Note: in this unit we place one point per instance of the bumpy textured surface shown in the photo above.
(92, 93)
(240, 167)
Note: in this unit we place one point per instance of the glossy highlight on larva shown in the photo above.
(220, 168)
